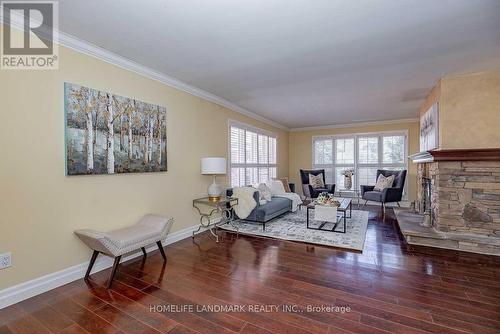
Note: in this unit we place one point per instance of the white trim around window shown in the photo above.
(253, 154)
(334, 160)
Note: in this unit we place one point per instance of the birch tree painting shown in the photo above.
(108, 134)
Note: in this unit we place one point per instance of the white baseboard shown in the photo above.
(51, 281)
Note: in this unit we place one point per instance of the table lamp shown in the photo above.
(214, 167)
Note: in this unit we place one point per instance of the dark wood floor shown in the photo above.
(388, 287)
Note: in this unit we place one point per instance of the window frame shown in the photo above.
(258, 131)
(357, 165)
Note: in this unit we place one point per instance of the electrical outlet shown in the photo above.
(5, 260)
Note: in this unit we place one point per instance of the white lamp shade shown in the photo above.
(212, 166)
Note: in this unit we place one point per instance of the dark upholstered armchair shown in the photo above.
(388, 195)
(308, 190)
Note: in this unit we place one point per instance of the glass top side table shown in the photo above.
(350, 193)
(208, 211)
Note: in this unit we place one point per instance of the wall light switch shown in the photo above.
(5, 260)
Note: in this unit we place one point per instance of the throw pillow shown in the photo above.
(265, 192)
(316, 181)
(384, 182)
(286, 184)
(276, 188)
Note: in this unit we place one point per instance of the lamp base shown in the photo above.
(214, 198)
(214, 191)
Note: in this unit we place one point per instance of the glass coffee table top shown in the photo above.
(344, 204)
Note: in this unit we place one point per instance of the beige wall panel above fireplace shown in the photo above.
(469, 111)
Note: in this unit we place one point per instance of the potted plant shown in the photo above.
(348, 173)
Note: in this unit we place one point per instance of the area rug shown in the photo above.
(292, 226)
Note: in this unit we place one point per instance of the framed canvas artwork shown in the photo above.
(429, 129)
(108, 134)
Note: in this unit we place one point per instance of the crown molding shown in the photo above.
(95, 51)
(356, 124)
(87, 48)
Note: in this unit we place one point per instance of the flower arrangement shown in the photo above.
(327, 199)
(348, 172)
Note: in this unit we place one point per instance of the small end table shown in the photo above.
(350, 193)
(224, 206)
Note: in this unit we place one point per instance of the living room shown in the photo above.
(297, 167)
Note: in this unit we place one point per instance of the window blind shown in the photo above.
(365, 153)
(253, 155)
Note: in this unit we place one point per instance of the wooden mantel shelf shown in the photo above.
(480, 154)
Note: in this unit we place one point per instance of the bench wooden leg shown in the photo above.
(91, 264)
(162, 251)
(113, 271)
(144, 251)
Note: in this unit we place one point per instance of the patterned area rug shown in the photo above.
(292, 226)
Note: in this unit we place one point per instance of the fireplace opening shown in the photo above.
(427, 191)
(426, 203)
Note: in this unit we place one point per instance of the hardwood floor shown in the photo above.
(389, 288)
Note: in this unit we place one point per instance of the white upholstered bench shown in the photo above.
(149, 230)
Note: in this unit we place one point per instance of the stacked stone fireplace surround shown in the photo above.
(465, 207)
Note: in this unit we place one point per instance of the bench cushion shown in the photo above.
(149, 230)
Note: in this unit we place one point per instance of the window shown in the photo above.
(252, 154)
(365, 153)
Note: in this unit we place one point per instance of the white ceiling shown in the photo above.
(299, 62)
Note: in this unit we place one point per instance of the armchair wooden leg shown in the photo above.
(91, 264)
(113, 271)
(162, 251)
(366, 201)
(144, 251)
(398, 204)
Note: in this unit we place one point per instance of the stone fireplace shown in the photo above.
(459, 191)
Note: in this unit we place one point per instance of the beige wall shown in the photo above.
(40, 206)
(432, 98)
(300, 146)
(469, 111)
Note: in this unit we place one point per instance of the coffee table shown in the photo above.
(345, 205)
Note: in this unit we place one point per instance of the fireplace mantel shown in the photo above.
(481, 154)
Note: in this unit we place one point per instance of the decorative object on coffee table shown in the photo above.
(326, 208)
(149, 230)
(214, 167)
(209, 219)
(327, 199)
(344, 205)
(348, 173)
